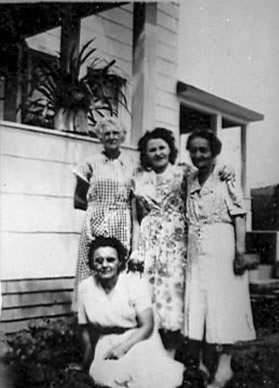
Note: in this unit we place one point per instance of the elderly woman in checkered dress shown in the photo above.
(103, 189)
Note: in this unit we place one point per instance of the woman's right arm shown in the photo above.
(145, 327)
(133, 263)
(136, 226)
(89, 341)
(80, 194)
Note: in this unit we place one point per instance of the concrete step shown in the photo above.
(264, 285)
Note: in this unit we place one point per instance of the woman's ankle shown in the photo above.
(224, 370)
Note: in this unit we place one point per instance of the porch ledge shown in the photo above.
(55, 132)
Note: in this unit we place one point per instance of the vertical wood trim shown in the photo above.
(216, 124)
(243, 149)
(144, 69)
(70, 36)
(245, 188)
(11, 84)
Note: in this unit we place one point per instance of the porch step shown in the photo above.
(262, 286)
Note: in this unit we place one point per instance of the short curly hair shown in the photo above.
(112, 242)
(157, 133)
(214, 142)
(109, 122)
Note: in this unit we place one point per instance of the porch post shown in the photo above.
(144, 69)
(243, 132)
(70, 36)
(246, 193)
(216, 124)
(13, 83)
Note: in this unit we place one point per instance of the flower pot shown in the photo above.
(71, 121)
(63, 120)
(81, 121)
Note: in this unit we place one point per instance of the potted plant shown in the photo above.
(67, 99)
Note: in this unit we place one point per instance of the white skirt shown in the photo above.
(216, 300)
(146, 365)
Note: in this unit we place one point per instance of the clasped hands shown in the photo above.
(134, 263)
(116, 352)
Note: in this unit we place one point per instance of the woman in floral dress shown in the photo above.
(161, 238)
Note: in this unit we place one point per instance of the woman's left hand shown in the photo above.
(239, 264)
(116, 352)
(227, 173)
(134, 264)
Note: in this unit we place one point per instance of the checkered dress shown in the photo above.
(109, 204)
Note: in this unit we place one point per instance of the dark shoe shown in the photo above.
(194, 378)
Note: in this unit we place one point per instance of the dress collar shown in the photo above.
(208, 185)
(163, 175)
(120, 157)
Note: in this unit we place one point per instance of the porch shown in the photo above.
(39, 227)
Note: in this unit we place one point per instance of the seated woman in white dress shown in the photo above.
(121, 346)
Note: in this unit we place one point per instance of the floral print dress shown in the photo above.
(163, 241)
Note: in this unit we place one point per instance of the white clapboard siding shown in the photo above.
(167, 52)
(38, 254)
(113, 23)
(59, 183)
(165, 82)
(52, 214)
(167, 106)
(169, 38)
(167, 99)
(40, 229)
(33, 299)
(166, 67)
(40, 144)
(167, 114)
(122, 15)
(170, 8)
(47, 42)
(168, 22)
(112, 32)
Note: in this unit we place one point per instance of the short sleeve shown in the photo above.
(133, 185)
(234, 200)
(84, 171)
(140, 293)
(82, 318)
(136, 178)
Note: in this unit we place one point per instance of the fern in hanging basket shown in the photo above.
(69, 92)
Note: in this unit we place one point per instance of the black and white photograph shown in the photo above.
(139, 194)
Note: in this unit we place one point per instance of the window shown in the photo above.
(36, 113)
